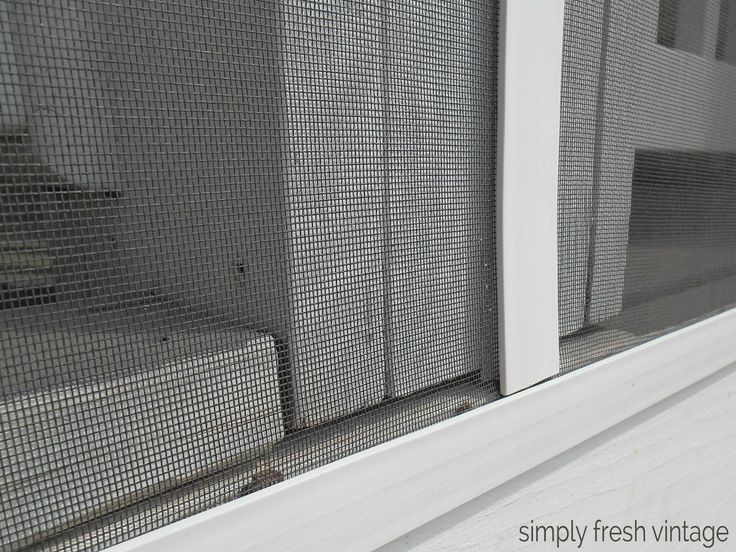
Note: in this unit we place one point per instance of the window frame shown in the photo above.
(529, 95)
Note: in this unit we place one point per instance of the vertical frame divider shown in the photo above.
(529, 93)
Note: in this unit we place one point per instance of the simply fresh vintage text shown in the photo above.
(576, 534)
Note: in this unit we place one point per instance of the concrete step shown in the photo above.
(180, 409)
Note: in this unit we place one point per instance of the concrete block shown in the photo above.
(335, 181)
(440, 138)
(74, 453)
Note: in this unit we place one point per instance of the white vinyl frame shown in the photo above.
(529, 90)
(368, 499)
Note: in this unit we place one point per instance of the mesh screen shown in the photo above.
(238, 240)
(647, 171)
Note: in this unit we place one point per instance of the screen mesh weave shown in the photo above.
(647, 232)
(238, 240)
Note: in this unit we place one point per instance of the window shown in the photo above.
(376, 256)
(726, 45)
(647, 173)
(681, 25)
(238, 241)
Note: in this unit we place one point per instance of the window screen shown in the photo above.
(647, 171)
(238, 240)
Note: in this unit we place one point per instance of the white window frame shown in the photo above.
(529, 91)
(368, 499)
